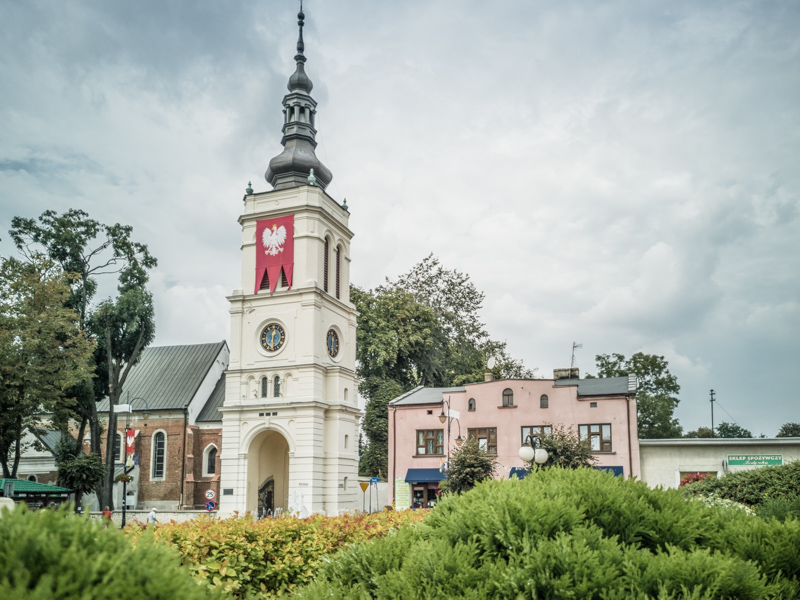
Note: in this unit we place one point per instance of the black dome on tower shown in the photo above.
(291, 168)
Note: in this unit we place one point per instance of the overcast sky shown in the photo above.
(624, 175)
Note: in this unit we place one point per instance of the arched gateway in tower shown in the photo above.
(290, 418)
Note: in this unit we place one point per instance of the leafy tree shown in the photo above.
(789, 430)
(374, 459)
(566, 450)
(422, 329)
(469, 465)
(82, 473)
(43, 352)
(702, 432)
(732, 430)
(86, 249)
(656, 392)
(123, 327)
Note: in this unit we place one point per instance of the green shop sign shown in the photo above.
(754, 460)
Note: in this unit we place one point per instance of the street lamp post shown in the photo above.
(448, 418)
(532, 451)
(128, 464)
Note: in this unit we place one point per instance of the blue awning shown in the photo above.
(615, 471)
(518, 472)
(424, 475)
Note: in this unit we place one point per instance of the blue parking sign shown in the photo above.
(210, 505)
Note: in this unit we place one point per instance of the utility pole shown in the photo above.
(712, 411)
(575, 346)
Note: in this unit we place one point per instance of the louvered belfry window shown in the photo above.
(338, 270)
(325, 268)
(264, 282)
(284, 281)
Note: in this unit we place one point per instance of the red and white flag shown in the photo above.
(274, 250)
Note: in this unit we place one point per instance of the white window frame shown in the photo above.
(162, 477)
(206, 452)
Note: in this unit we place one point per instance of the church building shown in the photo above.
(290, 414)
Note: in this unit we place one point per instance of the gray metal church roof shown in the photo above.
(425, 395)
(601, 386)
(210, 411)
(168, 377)
(48, 437)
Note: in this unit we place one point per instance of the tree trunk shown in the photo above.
(81, 433)
(18, 448)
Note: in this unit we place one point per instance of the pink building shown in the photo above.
(501, 414)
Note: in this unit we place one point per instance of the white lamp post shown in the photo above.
(532, 451)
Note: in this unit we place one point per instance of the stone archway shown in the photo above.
(267, 472)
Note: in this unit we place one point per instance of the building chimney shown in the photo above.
(488, 376)
(572, 373)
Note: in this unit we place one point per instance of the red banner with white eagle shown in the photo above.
(274, 251)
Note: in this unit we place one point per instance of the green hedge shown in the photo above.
(753, 486)
(50, 555)
(572, 534)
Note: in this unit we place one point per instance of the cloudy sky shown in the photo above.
(621, 174)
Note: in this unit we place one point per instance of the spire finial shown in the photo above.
(300, 45)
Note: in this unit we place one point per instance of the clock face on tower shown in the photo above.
(273, 337)
(333, 343)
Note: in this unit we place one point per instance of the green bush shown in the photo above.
(49, 555)
(753, 486)
(779, 508)
(572, 534)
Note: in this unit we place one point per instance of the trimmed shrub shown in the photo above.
(779, 508)
(753, 486)
(268, 558)
(50, 555)
(572, 534)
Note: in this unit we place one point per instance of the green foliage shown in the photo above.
(79, 472)
(780, 508)
(374, 459)
(702, 432)
(54, 555)
(469, 465)
(732, 430)
(753, 486)
(271, 557)
(656, 392)
(566, 450)
(43, 352)
(789, 430)
(562, 533)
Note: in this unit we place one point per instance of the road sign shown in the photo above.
(374, 480)
(210, 494)
(364, 485)
(210, 505)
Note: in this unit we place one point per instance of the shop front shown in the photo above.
(424, 486)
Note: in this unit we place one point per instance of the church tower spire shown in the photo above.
(291, 168)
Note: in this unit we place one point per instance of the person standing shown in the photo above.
(106, 517)
(151, 518)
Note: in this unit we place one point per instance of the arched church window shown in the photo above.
(159, 454)
(276, 387)
(325, 267)
(264, 387)
(508, 397)
(338, 270)
(211, 463)
(117, 447)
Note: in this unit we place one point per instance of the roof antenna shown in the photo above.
(575, 346)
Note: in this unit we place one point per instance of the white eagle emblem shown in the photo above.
(273, 240)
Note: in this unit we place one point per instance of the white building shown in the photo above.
(290, 416)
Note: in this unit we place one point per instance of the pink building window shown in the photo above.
(487, 438)
(536, 431)
(430, 441)
(597, 436)
(508, 397)
(471, 405)
(544, 401)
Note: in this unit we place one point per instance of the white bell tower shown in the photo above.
(290, 418)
